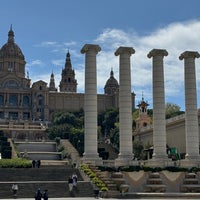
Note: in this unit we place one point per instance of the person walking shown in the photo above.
(45, 195)
(38, 195)
(33, 163)
(15, 189)
(70, 183)
(38, 163)
(75, 179)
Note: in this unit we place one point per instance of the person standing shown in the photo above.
(33, 163)
(38, 195)
(70, 183)
(75, 179)
(15, 189)
(38, 163)
(45, 195)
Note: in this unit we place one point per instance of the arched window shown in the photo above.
(11, 84)
(25, 101)
(1, 100)
(40, 100)
(13, 101)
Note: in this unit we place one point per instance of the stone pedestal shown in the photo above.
(159, 121)
(90, 102)
(125, 104)
(191, 111)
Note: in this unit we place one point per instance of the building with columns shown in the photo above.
(22, 100)
(180, 132)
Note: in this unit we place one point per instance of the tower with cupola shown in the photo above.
(68, 82)
(143, 120)
(52, 86)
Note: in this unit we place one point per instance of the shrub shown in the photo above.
(15, 163)
(104, 189)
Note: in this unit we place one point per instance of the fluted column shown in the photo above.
(125, 104)
(90, 101)
(159, 121)
(191, 111)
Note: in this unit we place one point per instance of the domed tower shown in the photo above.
(11, 57)
(52, 83)
(15, 96)
(143, 120)
(68, 82)
(111, 86)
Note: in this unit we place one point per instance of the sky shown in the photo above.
(46, 29)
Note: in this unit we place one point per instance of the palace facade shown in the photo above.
(21, 100)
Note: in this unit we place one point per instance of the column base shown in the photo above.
(192, 157)
(159, 161)
(91, 158)
(162, 156)
(123, 159)
(190, 161)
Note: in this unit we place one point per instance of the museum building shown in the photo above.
(22, 100)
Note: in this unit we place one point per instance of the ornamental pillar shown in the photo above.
(125, 103)
(90, 102)
(159, 121)
(191, 111)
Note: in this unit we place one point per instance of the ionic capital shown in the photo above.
(189, 54)
(124, 50)
(157, 52)
(92, 47)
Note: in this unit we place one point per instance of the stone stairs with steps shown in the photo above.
(190, 183)
(38, 150)
(55, 179)
(155, 183)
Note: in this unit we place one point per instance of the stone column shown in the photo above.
(159, 121)
(125, 104)
(191, 111)
(90, 102)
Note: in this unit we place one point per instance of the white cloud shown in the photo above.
(48, 44)
(34, 62)
(69, 44)
(59, 62)
(175, 38)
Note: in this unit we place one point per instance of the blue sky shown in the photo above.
(46, 29)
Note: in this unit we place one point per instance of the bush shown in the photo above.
(176, 169)
(97, 181)
(131, 168)
(15, 163)
(104, 189)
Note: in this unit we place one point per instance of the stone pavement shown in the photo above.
(91, 198)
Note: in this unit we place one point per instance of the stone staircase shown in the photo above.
(155, 183)
(190, 183)
(52, 175)
(38, 150)
(53, 178)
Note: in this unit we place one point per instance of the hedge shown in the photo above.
(15, 163)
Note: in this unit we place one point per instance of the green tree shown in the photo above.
(137, 149)
(68, 125)
(172, 110)
(111, 116)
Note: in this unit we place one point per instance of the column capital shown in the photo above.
(157, 52)
(88, 47)
(122, 50)
(189, 54)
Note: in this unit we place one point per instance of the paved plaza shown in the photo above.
(90, 198)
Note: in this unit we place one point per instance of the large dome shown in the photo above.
(112, 84)
(10, 49)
